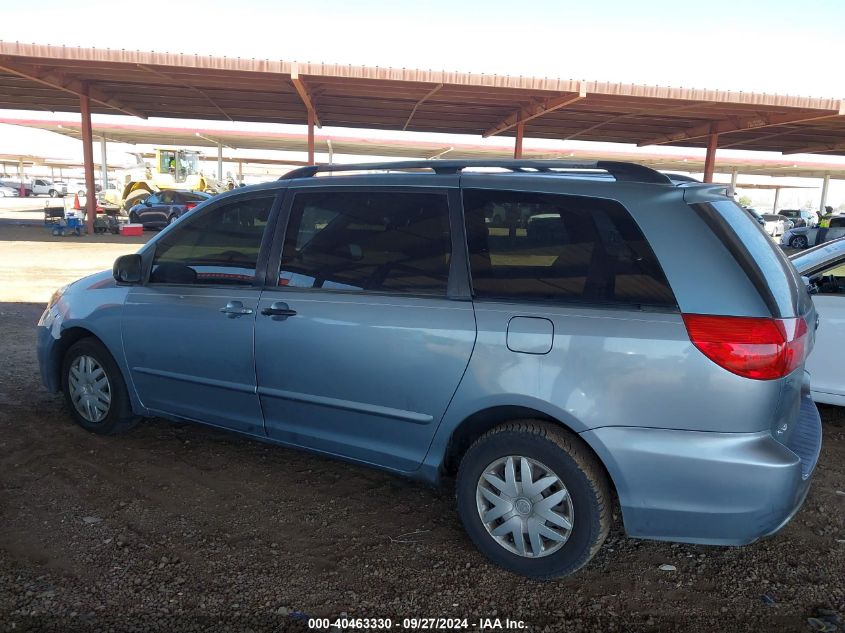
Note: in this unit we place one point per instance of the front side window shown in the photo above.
(376, 241)
(217, 247)
(551, 247)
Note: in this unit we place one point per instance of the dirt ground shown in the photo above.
(183, 528)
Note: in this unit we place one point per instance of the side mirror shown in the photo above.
(127, 269)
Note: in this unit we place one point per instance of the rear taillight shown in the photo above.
(190, 205)
(759, 348)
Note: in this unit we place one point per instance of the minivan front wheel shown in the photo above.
(534, 499)
(94, 389)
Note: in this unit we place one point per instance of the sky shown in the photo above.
(776, 46)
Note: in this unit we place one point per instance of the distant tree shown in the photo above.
(745, 201)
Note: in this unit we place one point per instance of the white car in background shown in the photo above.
(824, 267)
(8, 192)
(775, 225)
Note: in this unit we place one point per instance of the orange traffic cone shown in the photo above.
(76, 205)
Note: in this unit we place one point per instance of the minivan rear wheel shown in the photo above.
(534, 499)
(94, 389)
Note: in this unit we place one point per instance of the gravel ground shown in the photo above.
(182, 528)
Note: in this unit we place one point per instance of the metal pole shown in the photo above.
(240, 172)
(88, 159)
(825, 186)
(710, 157)
(733, 181)
(104, 166)
(22, 188)
(517, 145)
(310, 137)
(219, 163)
(331, 151)
(777, 195)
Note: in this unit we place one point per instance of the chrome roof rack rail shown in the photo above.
(621, 171)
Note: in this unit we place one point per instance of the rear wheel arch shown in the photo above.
(480, 422)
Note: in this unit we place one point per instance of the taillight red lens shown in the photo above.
(759, 348)
(190, 205)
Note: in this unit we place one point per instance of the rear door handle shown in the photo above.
(235, 309)
(279, 309)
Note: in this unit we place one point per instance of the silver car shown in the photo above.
(805, 236)
(556, 338)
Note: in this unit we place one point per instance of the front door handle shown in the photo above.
(235, 309)
(279, 309)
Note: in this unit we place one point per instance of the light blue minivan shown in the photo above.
(556, 338)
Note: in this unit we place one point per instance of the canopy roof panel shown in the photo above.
(173, 85)
(404, 148)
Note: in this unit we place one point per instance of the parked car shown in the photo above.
(800, 217)
(381, 318)
(824, 268)
(8, 192)
(802, 237)
(16, 184)
(787, 223)
(774, 224)
(165, 207)
(757, 217)
(43, 187)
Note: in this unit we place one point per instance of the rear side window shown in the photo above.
(559, 248)
(395, 242)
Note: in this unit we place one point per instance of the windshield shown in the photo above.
(809, 260)
(189, 163)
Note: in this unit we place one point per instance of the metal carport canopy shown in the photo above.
(150, 84)
(407, 148)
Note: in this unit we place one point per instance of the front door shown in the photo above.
(188, 332)
(359, 348)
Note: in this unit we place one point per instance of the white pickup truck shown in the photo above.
(43, 187)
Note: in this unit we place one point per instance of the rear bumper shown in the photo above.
(709, 488)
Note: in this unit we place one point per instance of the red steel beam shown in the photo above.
(311, 118)
(305, 94)
(739, 124)
(88, 159)
(61, 81)
(536, 109)
(517, 144)
(710, 157)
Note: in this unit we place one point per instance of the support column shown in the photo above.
(22, 187)
(104, 166)
(310, 137)
(825, 186)
(775, 204)
(710, 158)
(733, 181)
(220, 163)
(240, 172)
(88, 159)
(517, 145)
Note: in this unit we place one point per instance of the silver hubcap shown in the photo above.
(90, 390)
(524, 506)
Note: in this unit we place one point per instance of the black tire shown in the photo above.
(53, 193)
(172, 219)
(133, 219)
(577, 468)
(119, 416)
(799, 241)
